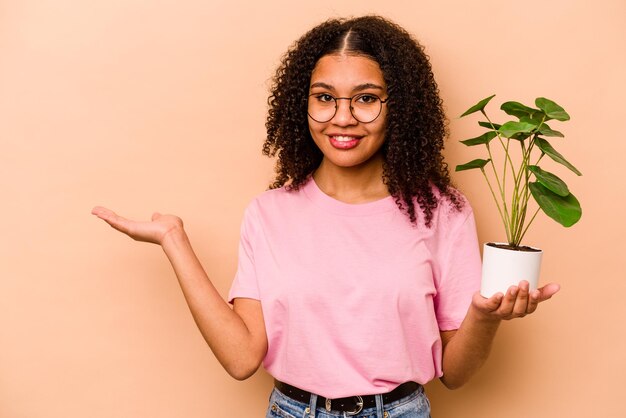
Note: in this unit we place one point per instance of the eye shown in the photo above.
(367, 99)
(324, 98)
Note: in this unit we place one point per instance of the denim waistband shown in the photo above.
(415, 405)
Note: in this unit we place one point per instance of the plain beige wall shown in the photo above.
(159, 105)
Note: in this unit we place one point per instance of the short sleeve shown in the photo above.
(245, 283)
(460, 272)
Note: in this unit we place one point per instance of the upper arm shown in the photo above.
(460, 269)
(249, 310)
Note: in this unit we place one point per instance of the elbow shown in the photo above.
(241, 374)
(454, 386)
(451, 383)
(243, 362)
(242, 371)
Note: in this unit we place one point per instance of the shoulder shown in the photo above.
(273, 202)
(451, 206)
(276, 196)
(453, 209)
(453, 229)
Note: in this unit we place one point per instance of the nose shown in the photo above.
(343, 115)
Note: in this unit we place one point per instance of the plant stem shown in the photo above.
(504, 219)
(524, 191)
(528, 225)
(508, 157)
(539, 159)
(516, 206)
(501, 185)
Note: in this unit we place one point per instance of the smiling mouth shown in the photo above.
(344, 141)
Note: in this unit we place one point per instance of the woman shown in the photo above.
(359, 269)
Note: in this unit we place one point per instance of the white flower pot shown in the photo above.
(503, 268)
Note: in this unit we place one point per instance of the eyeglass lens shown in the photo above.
(364, 107)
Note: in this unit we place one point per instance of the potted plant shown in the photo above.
(513, 177)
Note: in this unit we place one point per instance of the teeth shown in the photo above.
(344, 138)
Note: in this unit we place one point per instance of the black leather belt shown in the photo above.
(353, 404)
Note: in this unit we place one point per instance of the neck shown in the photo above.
(360, 184)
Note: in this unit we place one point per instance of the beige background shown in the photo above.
(159, 105)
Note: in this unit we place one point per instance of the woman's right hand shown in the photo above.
(154, 231)
(237, 336)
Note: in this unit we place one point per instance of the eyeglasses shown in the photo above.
(364, 107)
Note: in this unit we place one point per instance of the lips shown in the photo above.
(344, 141)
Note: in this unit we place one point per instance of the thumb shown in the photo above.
(155, 216)
(548, 291)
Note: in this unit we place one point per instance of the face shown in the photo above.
(344, 141)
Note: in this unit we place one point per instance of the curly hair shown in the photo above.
(416, 124)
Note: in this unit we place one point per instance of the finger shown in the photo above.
(113, 219)
(487, 305)
(103, 213)
(533, 301)
(97, 210)
(548, 291)
(540, 295)
(508, 302)
(521, 302)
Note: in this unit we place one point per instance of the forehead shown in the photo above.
(343, 71)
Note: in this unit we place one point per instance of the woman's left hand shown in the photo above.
(467, 348)
(516, 303)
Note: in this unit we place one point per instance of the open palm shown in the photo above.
(153, 231)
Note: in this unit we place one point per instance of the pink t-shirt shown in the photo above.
(354, 295)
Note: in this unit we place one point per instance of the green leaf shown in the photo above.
(479, 140)
(563, 209)
(546, 148)
(551, 109)
(545, 130)
(478, 106)
(509, 129)
(518, 110)
(549, 180)
(520, 136)
(488, 125)
(472, 164)
(536, 119)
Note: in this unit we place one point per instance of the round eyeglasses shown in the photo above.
(364, 107)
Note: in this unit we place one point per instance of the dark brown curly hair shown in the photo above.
(416, 124)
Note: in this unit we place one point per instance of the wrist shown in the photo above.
(174, 237)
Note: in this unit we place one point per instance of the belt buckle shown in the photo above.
(359, 406)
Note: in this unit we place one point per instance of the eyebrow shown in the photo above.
(360, 87)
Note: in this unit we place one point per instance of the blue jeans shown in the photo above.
(415, 405)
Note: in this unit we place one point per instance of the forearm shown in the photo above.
(223, 329)
(468, 349)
